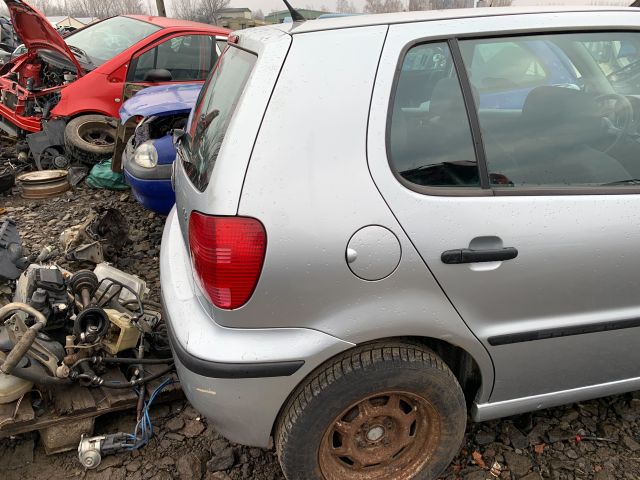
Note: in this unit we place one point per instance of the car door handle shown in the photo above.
(466, 255)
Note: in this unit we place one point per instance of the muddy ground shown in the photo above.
(186, 446)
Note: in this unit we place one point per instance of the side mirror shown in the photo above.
(157, 75)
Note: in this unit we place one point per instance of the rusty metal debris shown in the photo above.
(44, 184)
(103, 234)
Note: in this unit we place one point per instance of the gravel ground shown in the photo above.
(528, 447)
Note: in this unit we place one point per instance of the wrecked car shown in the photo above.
(64, 94)
(148, 157)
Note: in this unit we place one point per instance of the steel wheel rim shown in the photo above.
(390, 435)
(95, 133)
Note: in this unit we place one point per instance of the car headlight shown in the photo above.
(146, 155)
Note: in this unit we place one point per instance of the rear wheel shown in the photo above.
(90, 138)
(391, 411)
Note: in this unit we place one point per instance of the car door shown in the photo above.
(528, 219)
(187, 58)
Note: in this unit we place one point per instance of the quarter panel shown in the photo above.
(309, 184)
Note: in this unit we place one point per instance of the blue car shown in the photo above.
(149, 153)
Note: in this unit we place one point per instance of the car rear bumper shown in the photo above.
(239, 378)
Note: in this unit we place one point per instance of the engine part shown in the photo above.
(92, 449)
(104, 232)
(12, 260)
(91, 324)
(26, 340)
(11, 387)
(50, 296)
(122, 335)
(44, 183)
(83, 283)
(105, 271)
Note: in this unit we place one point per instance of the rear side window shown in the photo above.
(213, 113)
(430, 141)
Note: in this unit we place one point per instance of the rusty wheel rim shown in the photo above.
(95, 133)
(390, 435)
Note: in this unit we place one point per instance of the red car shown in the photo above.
(64, 94)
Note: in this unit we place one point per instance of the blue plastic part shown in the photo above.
(155, 195)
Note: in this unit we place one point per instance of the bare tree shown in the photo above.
(418, 5)
(258, 15)
(344, 6)
(206, 11)
(383, 6)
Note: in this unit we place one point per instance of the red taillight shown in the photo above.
(227, 255)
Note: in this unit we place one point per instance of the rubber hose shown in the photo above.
(138, 382)
(37, 377)
(25, 342)
(19, 306)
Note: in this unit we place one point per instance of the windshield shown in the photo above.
(106, 39)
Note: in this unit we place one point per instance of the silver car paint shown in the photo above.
(308, 182)
(568, 271)
(256, 401)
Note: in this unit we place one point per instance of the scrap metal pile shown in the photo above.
(65, 328)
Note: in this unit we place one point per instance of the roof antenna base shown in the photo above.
(296, 16)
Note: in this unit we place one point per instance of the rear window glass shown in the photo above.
(213, 113)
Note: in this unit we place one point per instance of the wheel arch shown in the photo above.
(463, 365)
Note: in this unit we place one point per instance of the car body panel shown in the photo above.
(100, 90)
(306, 155)
(511, 297)
(37, 32)
(152, 186)
(258, 399)
(161, 100)
(223, 193)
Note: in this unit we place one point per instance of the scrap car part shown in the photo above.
(123, 334)
(92, 449)
(12, 387)
(103, 233)
(92, 322)
(44, 184)
(12, 260)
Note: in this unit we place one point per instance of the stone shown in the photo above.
(192, 428)
(174, 424)
(630, 443)
(175, 437)
(532, 476)
(108, 462)
(134, 466)
(518, 464)
(223, 461)
(219, 445)
(484, 437)
(189, 467)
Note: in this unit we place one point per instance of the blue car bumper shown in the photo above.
(151, 186)
(155, 195)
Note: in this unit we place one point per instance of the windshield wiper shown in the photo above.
(630, 181)
(78, 50)
(625, 71)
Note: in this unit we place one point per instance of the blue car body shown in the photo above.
(152, 186)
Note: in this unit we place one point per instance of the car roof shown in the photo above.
(432, 15)
(165, 22)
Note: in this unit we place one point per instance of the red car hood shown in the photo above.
(36, 32)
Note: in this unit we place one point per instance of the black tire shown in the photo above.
(90, 138)
(315, 415)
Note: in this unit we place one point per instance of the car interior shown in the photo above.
(550, 115)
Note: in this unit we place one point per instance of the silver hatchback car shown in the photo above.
(386, 221)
